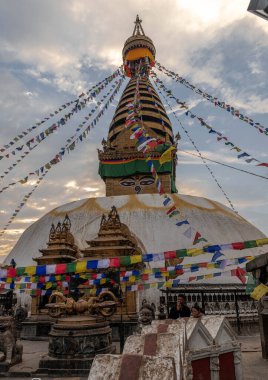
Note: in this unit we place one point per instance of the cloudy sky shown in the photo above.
(51, 51)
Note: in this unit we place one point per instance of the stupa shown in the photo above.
(130, 186)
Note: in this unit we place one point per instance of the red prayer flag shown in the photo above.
(263, 164)
(240, 273)
(197, 236)
(145, 277)
(60, 268)
(170, 254)
(11, 272)
(238, 245)
(115, 263)
(173, 208)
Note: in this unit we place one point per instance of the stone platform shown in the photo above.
(36, 327)
(254, 367)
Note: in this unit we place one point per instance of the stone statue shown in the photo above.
(105, 304)
(10, 350)
(146, 313)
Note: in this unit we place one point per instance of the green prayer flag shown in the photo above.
(70, 267)
(181, 253)
(250, 244)
(125, 260)
(20, 271)
(251, 283)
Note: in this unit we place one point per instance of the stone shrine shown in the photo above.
(84, 332)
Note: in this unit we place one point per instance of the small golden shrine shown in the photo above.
(60, 249)
(60, 246)
(114, 240)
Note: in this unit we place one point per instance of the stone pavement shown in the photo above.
(254, 367)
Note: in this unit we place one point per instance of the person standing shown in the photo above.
(181, 310)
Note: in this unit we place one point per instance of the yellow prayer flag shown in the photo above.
(147, 271)
(48, 285)
(30, 270)
(81, 266)
(153, 285)
(168, 284)
(261, 242)
(259, 291)
(166, 156)
(102, 281)
(211, 265)
(208, 275)
(132, 278)
(195, 251)
(135, 259)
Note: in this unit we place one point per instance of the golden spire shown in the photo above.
(138, 48)
(138, 27)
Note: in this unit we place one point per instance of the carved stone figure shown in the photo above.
(10, 350)
(146, 313)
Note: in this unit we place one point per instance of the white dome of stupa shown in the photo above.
(146, 218)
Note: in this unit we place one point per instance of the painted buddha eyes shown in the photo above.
(143, 181)
(128, 182)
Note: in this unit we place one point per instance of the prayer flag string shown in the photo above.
(22, 203)
(24, 133)
(47, 289)
(145, 274)
(125, 261)
(235, 112)
(145, 144)
(70, 145)
(35, 141)
(220, 137)
(198, 151)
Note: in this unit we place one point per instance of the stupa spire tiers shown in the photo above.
(123, 167)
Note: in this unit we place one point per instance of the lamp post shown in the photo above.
(259, 8)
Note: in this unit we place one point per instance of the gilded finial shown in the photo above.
(138, 27)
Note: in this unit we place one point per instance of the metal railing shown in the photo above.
(229, 301)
